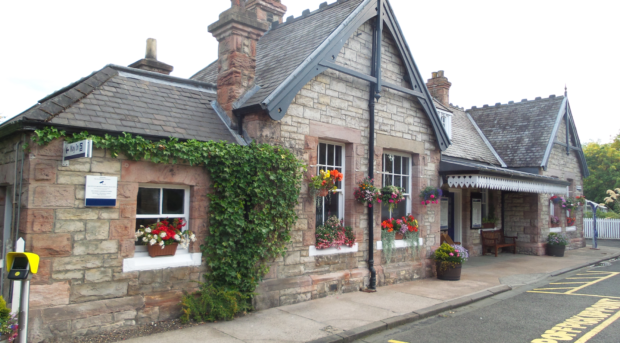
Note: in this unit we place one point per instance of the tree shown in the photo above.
(604, 164)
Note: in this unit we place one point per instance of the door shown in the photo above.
(447, 214)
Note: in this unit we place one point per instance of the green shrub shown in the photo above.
(211, 304)
(602, 215)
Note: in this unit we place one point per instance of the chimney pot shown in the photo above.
(151, 49)
(150, 62)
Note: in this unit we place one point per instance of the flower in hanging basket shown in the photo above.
(430, 195)
(165, 233)
(366, 193)
(392, 196)
(325, 182)
(581, 200)
(557, 199)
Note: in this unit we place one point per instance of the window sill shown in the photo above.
(142, 261)
(571, 228)
(333, 250)
(401, 243)
(490, 229)
(555, 229)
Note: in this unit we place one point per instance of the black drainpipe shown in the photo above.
(503, 209)
(375, 94)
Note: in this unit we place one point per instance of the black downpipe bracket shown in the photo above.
(375, 94)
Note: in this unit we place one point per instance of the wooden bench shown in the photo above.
(497, 240)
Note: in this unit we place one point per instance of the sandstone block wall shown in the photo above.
(333, 107)
(81, 287)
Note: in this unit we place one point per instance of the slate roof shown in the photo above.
(467, 143)
(121, 99)
(295, 40)
(519, 132)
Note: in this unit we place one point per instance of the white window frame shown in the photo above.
(326, 166)
(446, 120)
(182, 258)
(485, 203)
(384, 173)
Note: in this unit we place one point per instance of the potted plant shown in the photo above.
(489, 222)
(325, 182)
(8, 323)
(163, 238)
(388, 235)
(554, 221)
(391, 195)
(581, 200)
(556, 244)
(334, 234)
(570, 204)
(556, 199)
(366, 193)
(449, 260)
(570, 221)
(430, 195)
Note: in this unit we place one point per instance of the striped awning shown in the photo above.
(504, 184)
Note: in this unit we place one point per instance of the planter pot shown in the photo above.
(450, 274)
(323, 192)
(168, 250)
(488, 225)
(399, 236)
(556, 250)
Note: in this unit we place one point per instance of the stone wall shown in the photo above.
(567, 167)
(333, 107)
(81, 287)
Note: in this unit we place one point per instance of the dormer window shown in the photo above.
(446, 120)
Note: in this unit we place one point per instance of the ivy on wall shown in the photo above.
(251, 210)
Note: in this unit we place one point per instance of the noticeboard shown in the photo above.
(101, 191)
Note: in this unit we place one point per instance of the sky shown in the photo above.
(491, 51)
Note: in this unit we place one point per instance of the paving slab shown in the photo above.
(196, 334)
(390, 299)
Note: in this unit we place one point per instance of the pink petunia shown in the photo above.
(422, 202)
(432, 196)
(379, 200)
(451, 254)
(428, 202)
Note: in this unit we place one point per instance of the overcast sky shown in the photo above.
(491, 51)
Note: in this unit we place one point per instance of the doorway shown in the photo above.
(451, 214)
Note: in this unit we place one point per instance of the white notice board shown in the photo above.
(101, 191)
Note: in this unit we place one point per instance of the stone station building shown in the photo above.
(333, 86)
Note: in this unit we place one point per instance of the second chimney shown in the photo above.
(237, 32)
(150, 62)
(439, 86)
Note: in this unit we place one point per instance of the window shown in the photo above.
(485, 203)
(330, 157)
(446, 120)
(397, 172)
(158, 202)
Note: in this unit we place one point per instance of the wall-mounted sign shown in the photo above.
(77, 150)
(101, 191)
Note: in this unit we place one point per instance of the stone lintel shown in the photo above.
(335, 132)
(400, 144)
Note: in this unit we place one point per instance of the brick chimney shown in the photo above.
(439, 86)
(237, 31)
(267, 10)
(150, 62)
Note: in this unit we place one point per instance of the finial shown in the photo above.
(238, 3)
(565, 91)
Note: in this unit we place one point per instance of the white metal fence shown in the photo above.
(607, 228)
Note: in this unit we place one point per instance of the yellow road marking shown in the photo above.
(592, 283)
(393, 341)
(554, 288)
(579, 278)
(582, 295)
(599, 328)
(565, 283)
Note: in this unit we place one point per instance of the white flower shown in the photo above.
(177, 237)
(138, 234)
(147, 230)
(161, 244)
(145, 239)
(152, 242)
(162, 235)
(192, 237)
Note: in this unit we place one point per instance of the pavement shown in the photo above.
(347, 317)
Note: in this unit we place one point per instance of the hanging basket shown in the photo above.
(323, 192)
(168, 250)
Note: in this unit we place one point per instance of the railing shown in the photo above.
(607, 228)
